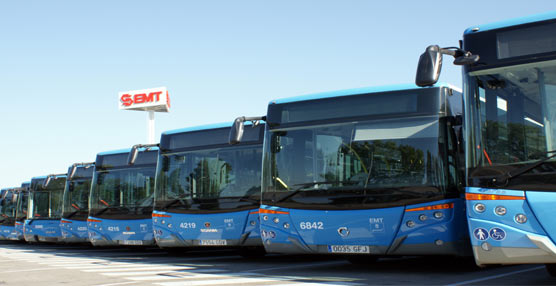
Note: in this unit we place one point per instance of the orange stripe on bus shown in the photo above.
(93, 220)
(265, 211)
(486, 197)
(161, 215)
(433, 207)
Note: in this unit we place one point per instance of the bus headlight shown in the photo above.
(276, 220)
(252, 222)
(410, 223)
(520, 218)
(286, 225)
(500, 210)
(480, 208)
(438, 215)
(265, 217)
(423, 217)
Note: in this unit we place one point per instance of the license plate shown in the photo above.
(349, 249)
(213, 242)
(131, 242)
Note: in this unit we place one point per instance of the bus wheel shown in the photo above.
(251, 252)
(362, 259)
(551, 269)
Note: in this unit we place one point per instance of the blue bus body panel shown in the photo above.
(44, 230)
(385, 231)
(19, 230)
(74, 231)
(7, 232)
(543, 205)
(239, 228)
(499, 239)
(120, 232)
(512, 22)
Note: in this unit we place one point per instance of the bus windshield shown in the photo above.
(22, 201)
(76, 199)
(513, 111)
(123, 191)
(8, 208)
(210, 180)
(363, 164)
(46, 203)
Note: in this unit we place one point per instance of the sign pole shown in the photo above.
(150, 127)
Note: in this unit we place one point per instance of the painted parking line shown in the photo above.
(495, 276)
(298, 266)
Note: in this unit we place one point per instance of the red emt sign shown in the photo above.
(152, 99)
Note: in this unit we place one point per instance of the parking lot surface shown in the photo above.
(23, 264)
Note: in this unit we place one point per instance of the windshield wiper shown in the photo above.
(72, 214)
(102, 211)
(303, 186)
(503, 179)
(172, 202)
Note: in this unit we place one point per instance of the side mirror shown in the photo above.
(132, 155)
(430, 64)
(46, 182)
(236, 133)
(72, 171)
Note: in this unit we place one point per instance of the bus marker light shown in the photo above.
(410, 223)
(520, 218)
(422, 217)
(480, 208)
(433, 207)
(500, 210)
(438, 215)
(486, 197)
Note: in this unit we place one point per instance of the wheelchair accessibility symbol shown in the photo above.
(480, 233)
(497, 233)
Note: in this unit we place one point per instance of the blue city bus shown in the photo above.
(208, 191)
(121, 198)
(45, 209)
(8, 204)
(75, 204)
(364, 173)
(21, 209)
(509, 75)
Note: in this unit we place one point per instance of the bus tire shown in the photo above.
(551, 269)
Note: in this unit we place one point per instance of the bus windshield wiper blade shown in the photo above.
(172, 202)
(503, 179)
(72, 214)
(102, 211)
(303, 186)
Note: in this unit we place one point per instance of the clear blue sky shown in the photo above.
(62, 63)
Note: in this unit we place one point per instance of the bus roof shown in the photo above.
(198, 128)
(355, 91)
(202, 127)
(122, 151)
(511, 22)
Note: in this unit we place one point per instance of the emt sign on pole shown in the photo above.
(151, 100)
